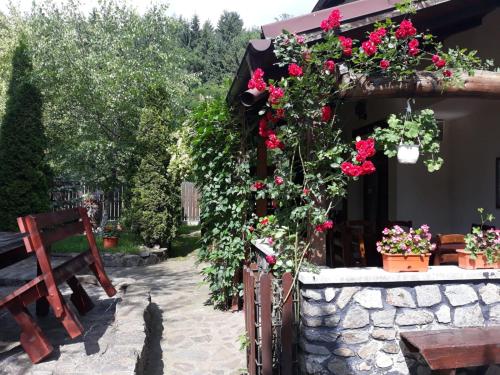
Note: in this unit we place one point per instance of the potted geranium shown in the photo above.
(410, 136)
(406, 251)
(482, 246)
(110, 234)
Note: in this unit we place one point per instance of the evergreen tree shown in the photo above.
(155, 211)
(24, 173)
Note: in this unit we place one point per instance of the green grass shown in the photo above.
(185, 243)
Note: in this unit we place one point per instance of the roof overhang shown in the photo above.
(442, 17)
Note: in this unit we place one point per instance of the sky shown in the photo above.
(253, 12)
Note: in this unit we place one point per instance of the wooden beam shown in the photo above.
(483, 84)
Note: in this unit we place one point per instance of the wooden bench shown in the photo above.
(43, 230)
(450, 349)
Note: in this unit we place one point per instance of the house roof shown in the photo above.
(443, 17)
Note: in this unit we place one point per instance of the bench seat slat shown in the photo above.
(457, 348)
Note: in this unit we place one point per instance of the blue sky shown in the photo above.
(253, 12)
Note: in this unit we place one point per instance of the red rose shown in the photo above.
(350, 169)
(367, 167)
(405, 29)
(306, 191)
(365, 148)
(369, 48)
(271, 259)
(324, 226)
(385, 64)
(257, 81)
(438, 61)
(332, 22)
(295, 70)
(447, 73)
(264, 221)
(258, 185)
(435, 58)
(263, 130)
(413, 49)
(345, 42)
(275, 94)
(377, 35)
(278, 180)
(329, 66)
(272, 142)
(326, 113)
(347, 51)
(280, 113)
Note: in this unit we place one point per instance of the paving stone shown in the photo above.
(428, 295)
(329, 294)
(443, 314)
(384, 318)
(414, 317)
(345, 295)
(384, 334)
(344, 352)
(490, 293)
(369, 298)
(468, 316)
(354, 336)
(400, 297)
(317, 309)
(356, 317)
(460, 295)
(313, 294)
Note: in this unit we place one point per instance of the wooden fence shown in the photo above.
(270, 324)
(190, 203)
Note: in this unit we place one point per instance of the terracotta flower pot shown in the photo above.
(110, 242)
(465, 261)
(406, 262)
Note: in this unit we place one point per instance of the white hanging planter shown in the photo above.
(408, 154)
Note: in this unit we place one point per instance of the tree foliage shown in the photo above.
(24, 174)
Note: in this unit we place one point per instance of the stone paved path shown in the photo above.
(196, 339)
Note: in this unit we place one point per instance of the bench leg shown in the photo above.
(33, 341)
(80, 298)
(103, 279)
(42, 305)
(69, 320)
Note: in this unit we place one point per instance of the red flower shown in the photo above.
(280, 113)
(264, 221)
(329, 66)
(295, 70)
(257, 81)
(332, 22)
(438, 61)
(251, 229)
(346, 44)
(326, 113)
(377, 35)
(258, 185)
(366, 149)
(263, 130)
(271, 259)
(413, 49)
(350, 169)
(299, 39)
(306, 191)
(447, 73)
(405, 29)
(278, 180)
(347, 51)
(369, 48)
(324, 226)
(273, 142)
(367, 167)
(275, 94)
(385, 64)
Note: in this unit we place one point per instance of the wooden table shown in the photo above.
(12, 248)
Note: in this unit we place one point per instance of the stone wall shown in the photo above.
(354, 329)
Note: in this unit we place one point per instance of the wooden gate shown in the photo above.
(270, 324)
(190, 203)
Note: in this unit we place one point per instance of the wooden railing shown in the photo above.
(270, 323)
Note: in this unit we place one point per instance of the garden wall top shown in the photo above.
(370, 275)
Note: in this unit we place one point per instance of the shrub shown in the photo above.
(24, 173)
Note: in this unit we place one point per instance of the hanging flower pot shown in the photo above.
(408, 154)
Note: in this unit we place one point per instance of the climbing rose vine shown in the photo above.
(303, 133)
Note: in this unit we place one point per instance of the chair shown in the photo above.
(446, 248)
(354, 242)
(43, 230)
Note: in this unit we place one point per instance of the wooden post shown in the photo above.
(266, 323)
